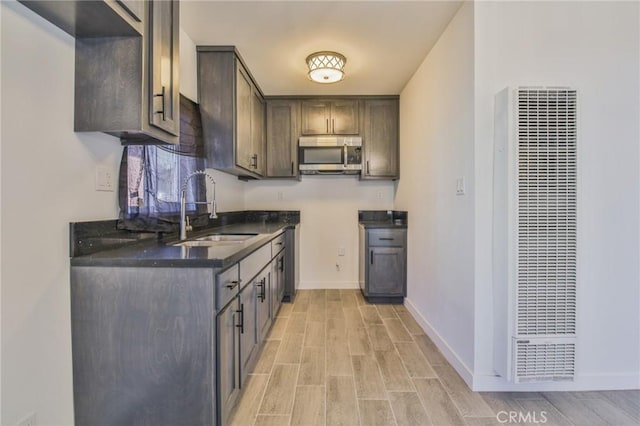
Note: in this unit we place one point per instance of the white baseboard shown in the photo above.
(492, 383)
(324, 285)
(586, 382)
(453, 358)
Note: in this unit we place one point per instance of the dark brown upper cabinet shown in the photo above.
(233, 113)
(330, 117)
(126, 66)
(282, 138)
(164, 65)
(101, 18)
(380, 139)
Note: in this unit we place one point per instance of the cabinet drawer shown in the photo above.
(388, 237)
(226, 286)
(277, 244)
(252, 264)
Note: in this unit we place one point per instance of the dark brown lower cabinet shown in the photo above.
(383, 264)
(263, 301)
(170, 346)
(277, 282)
(142, 345)
(228, 355)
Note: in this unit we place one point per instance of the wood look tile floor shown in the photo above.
(333, 359)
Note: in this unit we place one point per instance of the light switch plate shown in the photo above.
(104, 179)
(460, 187)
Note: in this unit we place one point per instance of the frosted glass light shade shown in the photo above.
(326, 67)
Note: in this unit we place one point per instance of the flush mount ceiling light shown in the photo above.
(326, 67)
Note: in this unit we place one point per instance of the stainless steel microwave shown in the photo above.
(330, 154)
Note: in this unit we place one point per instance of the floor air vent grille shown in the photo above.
(544, 361)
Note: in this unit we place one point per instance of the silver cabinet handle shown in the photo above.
(163, 110)
(233, 284)
(241, 312)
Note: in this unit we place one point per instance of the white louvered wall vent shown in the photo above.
(539, 156)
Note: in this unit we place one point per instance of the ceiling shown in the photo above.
(384, 41)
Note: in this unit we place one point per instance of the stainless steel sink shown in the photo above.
(236, 238)
(216, 240)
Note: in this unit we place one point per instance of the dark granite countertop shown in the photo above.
(370, 219)
(371, 224)
(152, 252)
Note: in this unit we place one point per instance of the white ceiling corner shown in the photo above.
(384, 41)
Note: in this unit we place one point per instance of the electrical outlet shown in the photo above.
(280, 196)
(341, 251)
(29, 420)
(379, 195)
(104, 179)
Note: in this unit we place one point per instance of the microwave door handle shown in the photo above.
(345, 156)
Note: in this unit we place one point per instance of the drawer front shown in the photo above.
(227, 286)
(252, 264)
(388, 237)
(277, 244)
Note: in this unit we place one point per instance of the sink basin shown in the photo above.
(216, 240)
(234, 238)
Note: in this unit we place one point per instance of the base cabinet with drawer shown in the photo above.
(170, 345)
(383, 264)
(245, 318)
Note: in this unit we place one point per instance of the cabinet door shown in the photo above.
(257, 133)
(315, 117)
(164, 102)
(381, 139)
(244, 145)
(344, 117)
(386, 271)
(263, 289)
(248, 336)
(277, 283)
(228, 368)
(281, 277)
(282, 138)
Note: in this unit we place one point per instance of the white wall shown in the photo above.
(594, 47)
(328, 220)
(47, 182)
(436, 148)
(229, 190)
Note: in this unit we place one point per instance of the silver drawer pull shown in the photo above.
(233, 284)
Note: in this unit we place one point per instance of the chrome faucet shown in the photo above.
(184, 219)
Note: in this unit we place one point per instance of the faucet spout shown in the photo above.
(184, 219)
